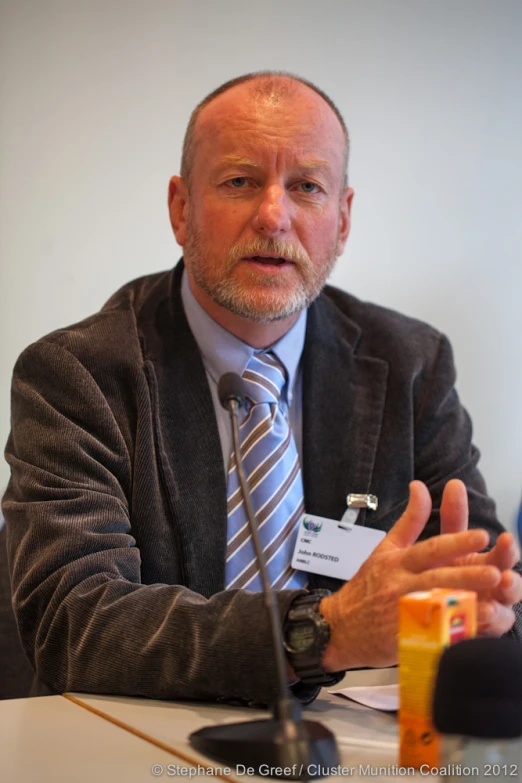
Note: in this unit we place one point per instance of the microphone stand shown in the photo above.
(284, 746)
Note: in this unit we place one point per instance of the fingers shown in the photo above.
(454, 507)
(476, 578)
(496, 616)
(439, 550)
(494, 619)
(509, 590)
(505, 553)
(408, 528)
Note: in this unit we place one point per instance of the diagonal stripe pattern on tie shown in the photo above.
(272, 468)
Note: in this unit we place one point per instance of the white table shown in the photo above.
(364, 736)
(52, 740)
(56, 740)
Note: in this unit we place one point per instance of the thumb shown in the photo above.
(410, 525)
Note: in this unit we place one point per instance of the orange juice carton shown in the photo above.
(429, 621)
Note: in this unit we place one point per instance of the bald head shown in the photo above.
(268, 87)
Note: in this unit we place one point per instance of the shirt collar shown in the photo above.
(223, 352)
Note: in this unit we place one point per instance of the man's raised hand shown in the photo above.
(363, 614)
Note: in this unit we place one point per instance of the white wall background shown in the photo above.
(95, 96)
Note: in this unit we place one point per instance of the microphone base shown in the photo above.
(288, 749)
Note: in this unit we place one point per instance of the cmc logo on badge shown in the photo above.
(312, 526)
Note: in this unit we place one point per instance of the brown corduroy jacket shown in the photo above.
(116, 510)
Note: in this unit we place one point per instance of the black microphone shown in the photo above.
(284, 746)
(231, 387)
(477, 707)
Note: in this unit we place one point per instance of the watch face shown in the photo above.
(301, 636)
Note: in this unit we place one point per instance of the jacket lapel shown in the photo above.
(343, 403)
(190, 455)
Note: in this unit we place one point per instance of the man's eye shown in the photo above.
(238, 182)
(309, 187)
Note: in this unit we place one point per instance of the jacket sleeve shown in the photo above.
(86, 621)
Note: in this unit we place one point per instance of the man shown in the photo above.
(124, 569)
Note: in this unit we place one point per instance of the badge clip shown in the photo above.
(355, 502)
(362, 501)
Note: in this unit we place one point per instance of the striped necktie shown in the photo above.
(272, 468)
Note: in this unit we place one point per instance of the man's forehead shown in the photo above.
(291, 106)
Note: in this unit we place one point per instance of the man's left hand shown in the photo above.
(495, 615)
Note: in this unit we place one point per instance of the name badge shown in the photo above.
(333, 548)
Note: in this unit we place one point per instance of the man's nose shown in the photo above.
(272, 217)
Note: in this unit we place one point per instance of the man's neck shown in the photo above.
(258, 335)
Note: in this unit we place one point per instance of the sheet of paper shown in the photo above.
(378, 697)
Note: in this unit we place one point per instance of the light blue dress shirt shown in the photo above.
(223, 352)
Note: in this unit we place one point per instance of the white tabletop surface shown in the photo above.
(364, 736)
(55, 740)
(52, 740)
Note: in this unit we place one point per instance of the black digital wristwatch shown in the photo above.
(306, 634)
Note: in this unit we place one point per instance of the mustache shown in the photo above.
(270, 245)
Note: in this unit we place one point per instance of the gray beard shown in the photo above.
(228, 293)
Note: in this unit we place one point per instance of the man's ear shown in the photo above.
(345, 220)
(178, 208)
